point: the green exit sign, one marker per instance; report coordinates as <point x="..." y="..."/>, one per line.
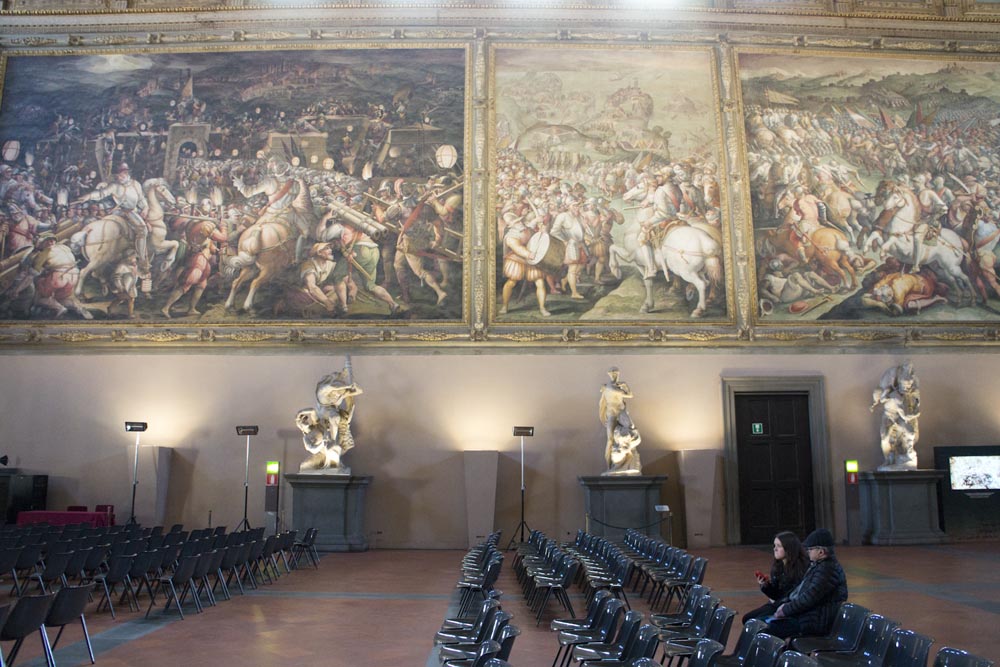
<point x="757" y="428"/>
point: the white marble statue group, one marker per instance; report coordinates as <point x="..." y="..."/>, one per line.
<point x="898" y="393"/>
<point x="326" y="427"/>
<point x="621" y="451"/>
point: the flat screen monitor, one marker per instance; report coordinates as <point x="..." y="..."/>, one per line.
<point x="974" y="473"/>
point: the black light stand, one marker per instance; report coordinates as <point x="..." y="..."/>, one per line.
<point x="247" y="431"/>
<point x="137" y="428"/>
<point x="522" y="432"/>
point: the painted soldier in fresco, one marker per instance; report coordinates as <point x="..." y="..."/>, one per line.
<point x="130" y="202"/>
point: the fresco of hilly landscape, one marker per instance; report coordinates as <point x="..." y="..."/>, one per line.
<point x="312" y="186"/>
<point x="607" y="186"/>
<point x="874" y="185"/>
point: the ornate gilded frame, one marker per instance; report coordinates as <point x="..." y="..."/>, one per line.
<point x="921" y="28"/>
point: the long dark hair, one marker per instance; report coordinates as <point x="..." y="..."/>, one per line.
<point x="796" y="560"/>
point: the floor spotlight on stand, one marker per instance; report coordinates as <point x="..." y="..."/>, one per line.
<point x="246" y="430"/>
<point x="521" y="432"/>
<point x="137" y="428"/>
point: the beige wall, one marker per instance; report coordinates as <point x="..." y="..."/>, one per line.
<point x="63" y="415"/>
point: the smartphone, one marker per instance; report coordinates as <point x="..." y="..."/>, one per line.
<point x="760" y="575"/>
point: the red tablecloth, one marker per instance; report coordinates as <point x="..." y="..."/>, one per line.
<point x="64" y="518"/>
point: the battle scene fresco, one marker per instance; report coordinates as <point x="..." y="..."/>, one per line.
<point x="607" y="186"/>
<point x="305" y="186"/>
<point x="873" y="183"/>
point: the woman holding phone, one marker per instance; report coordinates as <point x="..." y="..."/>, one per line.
<point x="789" y="566"/>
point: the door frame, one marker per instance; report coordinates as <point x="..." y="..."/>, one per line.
<point x="813" y="386"/>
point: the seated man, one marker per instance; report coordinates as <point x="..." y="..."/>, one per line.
<point x="811" y="607"/>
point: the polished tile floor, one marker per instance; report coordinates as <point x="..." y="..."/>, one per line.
<point x="383" y="607"/>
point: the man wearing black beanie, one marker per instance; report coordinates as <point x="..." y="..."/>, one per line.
<point x="811" y="607"/>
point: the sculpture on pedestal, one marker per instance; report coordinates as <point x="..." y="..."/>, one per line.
<point x="326" y="428"/>
<point x="620" y="450"/>
<point x="898" y="393"/>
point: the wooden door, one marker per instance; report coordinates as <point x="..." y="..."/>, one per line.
<point x="775" y="466"/>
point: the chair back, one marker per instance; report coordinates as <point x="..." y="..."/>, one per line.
<point x="8" y="558"/>
<point x="875" y="639"/>
<point x="907" y="649"/>
<point x="55" y="565"/>
<point x="486" y="651"/>
<point x="185" y="569"/>
<point x="140" y="565"/>
<point x="105" y="509"/>
<point x="118" y="568"/>
<point x="705" y="652"/>
<point x="78" y="561"/>
<point x="845" y="634"/>
<point x="764" y="650"/>
<point x="646" y="642"/>
<point x="68" y="605"/>
<point x="953" y="657"/>
<point x="721" y="624"/>
<point x="506" y="640"/>
<point x="750" y="630"/>
<point x="95" y="558"/>
<point x="608" y="621"/>
<point x="28" y="558"/>
<point x="796" y="659"/>
<point x="697" y="573"/>
<point x="27" y="616"/>
<point x="627" y="631"/>
<point x="703" y="615"/>
<point x="497" y="624"/>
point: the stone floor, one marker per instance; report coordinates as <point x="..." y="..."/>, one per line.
<point x="383" y="607"/>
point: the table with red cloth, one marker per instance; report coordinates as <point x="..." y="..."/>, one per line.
<point x="64" y="518"/>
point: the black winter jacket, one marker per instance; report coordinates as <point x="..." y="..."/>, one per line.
<point x="781" y="583"/>
<point x="814" y="602"/>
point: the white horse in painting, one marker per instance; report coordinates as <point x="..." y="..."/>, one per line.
<point x="690" y="253"/>
<point x="899" y="217"/>
<point x="104" y="241"/>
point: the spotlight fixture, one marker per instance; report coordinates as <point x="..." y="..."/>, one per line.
<point x="135" y="427"/>
<point x="247" y="430"/>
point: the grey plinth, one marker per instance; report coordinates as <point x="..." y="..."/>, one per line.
<point x="614" y="504"/>
<point x="900" y="507"/>
<point x="335" y="505"/>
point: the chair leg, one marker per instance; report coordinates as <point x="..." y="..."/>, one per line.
<point x="13" y="651"/>
<point x="86" y="636"/>
<point x="107" y="598"/>
<point x="49" y="658"/>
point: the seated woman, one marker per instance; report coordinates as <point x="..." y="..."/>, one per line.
<point x="789" y="566"/>
<point x="810" y="609"/>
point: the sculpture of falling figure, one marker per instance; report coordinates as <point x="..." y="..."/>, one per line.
<point x="898" y="393"/>
<point x="621" y="449"/>
<point x="326" y="428"/>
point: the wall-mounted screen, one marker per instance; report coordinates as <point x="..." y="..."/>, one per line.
<point x="974" y="473"/>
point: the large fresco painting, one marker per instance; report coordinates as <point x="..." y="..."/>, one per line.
<point x="607" y="186"/>
<point x="873" y="183"/>
<point x="227" y="187"/>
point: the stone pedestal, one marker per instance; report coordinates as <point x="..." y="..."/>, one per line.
<point x="615" y="504"/>
<point x="335" y="505"/>
<point x="900" y="507"/>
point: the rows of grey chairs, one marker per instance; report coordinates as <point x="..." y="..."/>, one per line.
<point x="668" y="572"/>
<point x="862" y="637"/>
<point x="56" y="572"/>
<point x="545" y="569"/>
<point x="481" y="635"/>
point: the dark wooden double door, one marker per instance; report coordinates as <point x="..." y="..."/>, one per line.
<point x="775" y="466"/>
